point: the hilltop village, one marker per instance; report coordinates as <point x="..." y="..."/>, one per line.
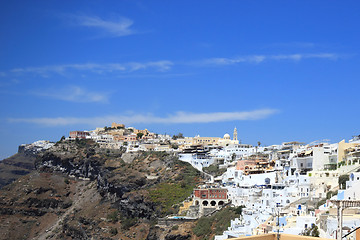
<point x="293" y="187"/>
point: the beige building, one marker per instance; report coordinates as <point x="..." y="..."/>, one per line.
<point x="206" y="140"/>
<point x="322" y="182"/>
<point x="117" y="125"/>
<point x="343" y="150"/>
<point x="146" y="133"/>
<point x="352" y="155"/>
<point x="214" y="141"/>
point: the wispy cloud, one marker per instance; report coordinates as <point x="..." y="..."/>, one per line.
<point x="162" y="66"/>
<point x="7" y="83"/>
<point x="73" y="94"/>
<point x="293" y="45"/>
<point x="262" y="58"/>
<point x="177" y="118"/>
<point x="118" y="28"/>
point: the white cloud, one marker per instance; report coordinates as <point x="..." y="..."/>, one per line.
<point x="177" y="118"/>
<point x="73" y="94"/>
<point x="262" y="58"/>
<point x="118" y="28"/>
<point x="162" y="65"/>
<point x="229" y="61"/>
<point x="297" y="57"/>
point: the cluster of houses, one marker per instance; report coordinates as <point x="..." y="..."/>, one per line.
<point x="134" y="140"/>
<point x="285" y="188"/>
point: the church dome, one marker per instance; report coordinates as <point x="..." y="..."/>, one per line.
<point x="226" y="136"/>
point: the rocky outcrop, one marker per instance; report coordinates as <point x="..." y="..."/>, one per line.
<point x="129" y="205"/>
<point x="22" y="163"/>
<point x="177" y="237"/>
<point x="86" y="168"/>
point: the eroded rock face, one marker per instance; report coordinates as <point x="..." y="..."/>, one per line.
<point x="134" y="205"/>
<point x="154" y="233"/>
<point x="85" y="168"/>
<point x="18" y="165"/>
<point x="123" y="187"/>
<point x="129" y="205"/>
<point x="177" y="237"/>
<point x="21" y="211"/>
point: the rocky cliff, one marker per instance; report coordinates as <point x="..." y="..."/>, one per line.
<point x="76" y="190"/>
<point x="21" y="163"/>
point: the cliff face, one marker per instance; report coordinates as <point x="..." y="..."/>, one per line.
<point x="80" y="191"/>
<point x="20" y="164"/>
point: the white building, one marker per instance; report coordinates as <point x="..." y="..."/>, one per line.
<point x="196" y="160"/>
<point x="352" y="188"/>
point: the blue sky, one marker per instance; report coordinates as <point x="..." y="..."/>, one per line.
<point x="277" y="70"/>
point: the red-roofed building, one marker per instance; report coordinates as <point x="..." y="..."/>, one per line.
<point x="78" y="134"/>
<point x="210" y="197"/>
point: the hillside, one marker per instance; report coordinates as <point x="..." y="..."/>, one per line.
<point x="81" y="191"/>
<point x="18" y="165"/>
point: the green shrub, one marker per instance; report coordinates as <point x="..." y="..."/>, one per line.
<point x="168" y="194"/>
<point x="128" y="222"/>
<point x="330" y="194"/>
<point x="113" y="231"/>
<point x="342" y="181"/>
<point x="238" y="210"/>
<point x="214" y="170"/>
<point x="321" y="202"/>
<point x="203" y="227"/>
<point x="216" y="224"/>
<point x="313" y="231"/>
<point x="113" y="216"/>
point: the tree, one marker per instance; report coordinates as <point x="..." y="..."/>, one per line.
<point x="179" y="135"/>
<point x="313" y="231"/>
<point x="342" y="181"/>
<point x="139" y="135"/>
<point x="174" y="146"/>
<point x="62" y="138"/>
<point x="239" y="209"/>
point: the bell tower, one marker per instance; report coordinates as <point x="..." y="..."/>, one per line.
<point x="235" y="134"/>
